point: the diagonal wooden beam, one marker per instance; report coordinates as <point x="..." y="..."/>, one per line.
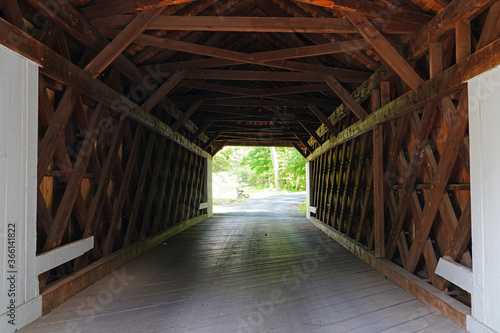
<point x="186" y="115"/>
<point x="416" y="160"/>
<point x="139" y="193"/>
<point x="346" y="97"/>
<point x="210" y="140"/>
<point x="71" y="21"/>
<point x="311" y="51"/>
<point x="238" y="57"/>
<point x="13" y="13"/>
<point x="443" y="84"/>
<point x="163" y="91"/>
<point x="304" y="142"/>
<point x="459" y="241"/>
<point x="122" y="193"/>
<point x="324" y="120"/>
<point x="72" y="191"/>
<point x="385" y="50"/>
<point x="47" y="146"/>
<point x="296" y="146"/>
<point x="491" y="29"/>
<point x="121" y="42"/>
<point x="201" y="129"/>
<point x="440" y="180"/>
<point x="60" y="69"/>
<point x="311" y="133"/>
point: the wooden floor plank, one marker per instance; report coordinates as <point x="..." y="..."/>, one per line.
<point x="244" y="273"/>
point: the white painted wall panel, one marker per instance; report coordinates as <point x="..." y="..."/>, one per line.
<point x="484" y="117"/>
<point x="18" y="160"/>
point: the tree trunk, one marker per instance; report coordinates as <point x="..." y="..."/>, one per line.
<point x="274" y="158"/>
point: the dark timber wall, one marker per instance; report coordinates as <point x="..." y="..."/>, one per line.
<point x="403" y="189"/>
<point x="105" y="176"/>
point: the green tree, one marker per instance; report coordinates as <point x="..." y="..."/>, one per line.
<point x="253" y="165"/>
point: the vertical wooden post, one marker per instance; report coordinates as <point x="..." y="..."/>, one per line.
<point x="463" y="40"/>
<point x="435" y="59"/>
<point x="308" y="188"/>
<point x="378" y="179"/>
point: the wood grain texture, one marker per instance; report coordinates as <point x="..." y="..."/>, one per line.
<point x="261" y="273"/>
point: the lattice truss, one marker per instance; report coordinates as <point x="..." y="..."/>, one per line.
<point x="134" y="95"/>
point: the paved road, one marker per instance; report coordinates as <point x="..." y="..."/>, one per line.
<point x="280" y="205"/>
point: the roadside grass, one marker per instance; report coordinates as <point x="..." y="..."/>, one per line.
<point x="303" y="208"/>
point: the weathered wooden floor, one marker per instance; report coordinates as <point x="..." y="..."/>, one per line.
<point x="245" y="274"/>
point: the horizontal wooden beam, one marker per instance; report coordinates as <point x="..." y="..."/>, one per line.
<point x="442" y="84"/>
<point x="455" y="273"/>
<point x="344" y="75"/>
<point x="55" y="66"/>
<point x="311" y="51"/>
<point x="234" y="24"/>
<point x="256" y="143"/>
<point x="231" y="75"/>
<point x="246" y="102"/>
<point x="60" y="255"/>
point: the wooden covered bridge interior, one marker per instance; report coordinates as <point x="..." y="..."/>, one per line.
<point x="132" y="98"/>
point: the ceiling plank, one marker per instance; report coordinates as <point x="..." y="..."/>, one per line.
<point x="346" y="98"/>
<point x="385" y="50"/>
<point x="121" y="42"/>
<point x="372" y="9"/>
<point x="126" y="6"/>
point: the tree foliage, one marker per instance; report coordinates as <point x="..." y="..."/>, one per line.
<point x="253" y="166"/>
